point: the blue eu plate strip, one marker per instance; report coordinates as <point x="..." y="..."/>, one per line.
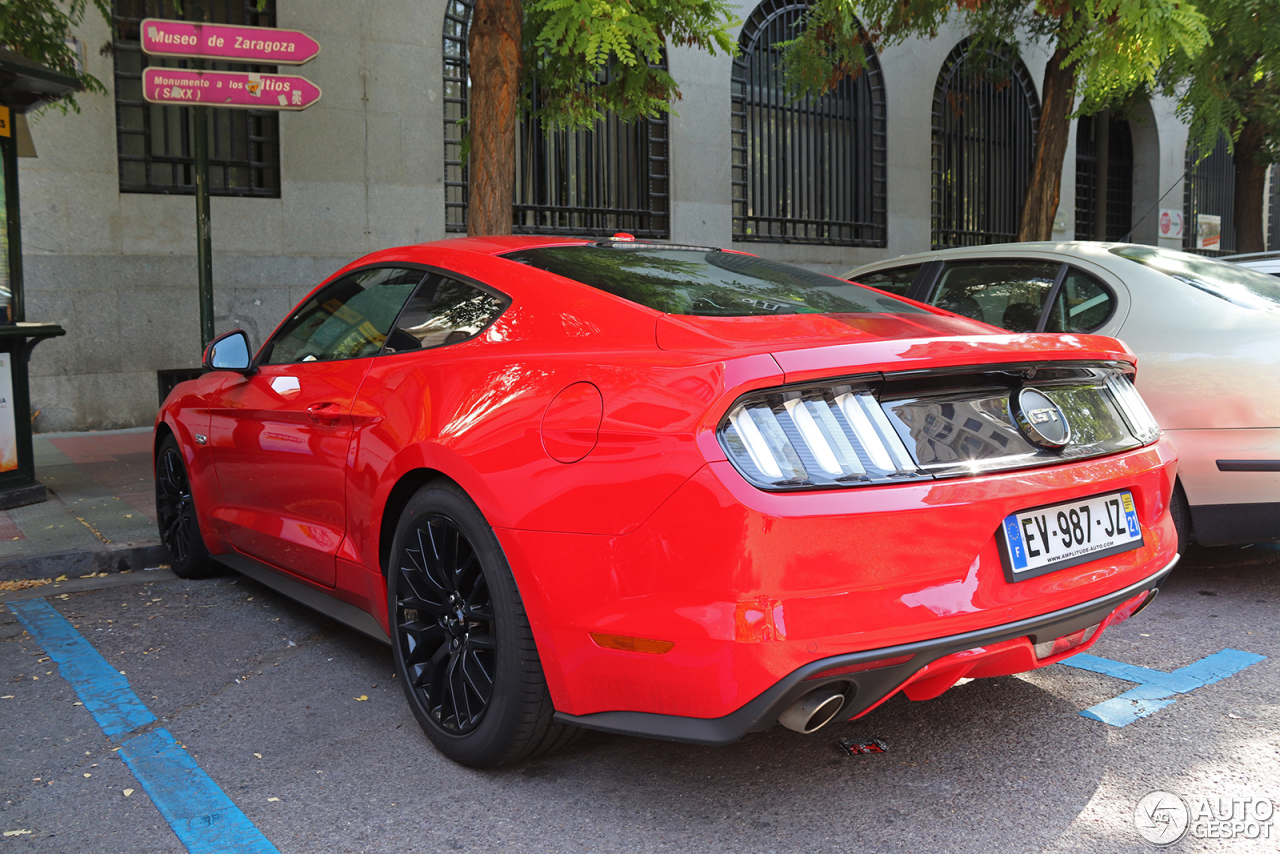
<point x="204" y="819"/>
<point x="1017" y="550"/>
<point x="1156" y="689"/>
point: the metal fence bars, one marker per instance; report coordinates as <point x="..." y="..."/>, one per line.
<point x="804" y="170"/>
<point x="1209" y="192"/>
<point x="613" y="177"/>
<point x="156" y="149"/>
<point x="1104" y="157"/>
<point x="985" y="119"/>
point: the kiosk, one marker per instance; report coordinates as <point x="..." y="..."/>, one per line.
<point x="24" y="85"/>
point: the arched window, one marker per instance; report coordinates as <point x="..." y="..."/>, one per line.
<point x="985" y="119"/>
<point x="1104" y="158"/>
<point x="591" y="182"/>
<point x="809" y="170"/>
<point x="1209" y="202"/>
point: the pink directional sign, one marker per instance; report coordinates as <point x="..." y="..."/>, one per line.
<point x="242" y="89"/>
<point x="222" y="41"/>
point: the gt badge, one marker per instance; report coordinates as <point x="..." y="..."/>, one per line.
<point x="1041" y="420"/>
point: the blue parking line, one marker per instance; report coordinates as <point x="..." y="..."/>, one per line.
<point x="1156" y="689"/>
<point x="204" y="819"/>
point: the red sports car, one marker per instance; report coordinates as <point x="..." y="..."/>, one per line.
<point x="666" y="490"/>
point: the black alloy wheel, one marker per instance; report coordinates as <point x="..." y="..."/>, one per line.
<point x="446" y="628"/>
<point x="461" y="639"/>
<point x="176" y="515"/>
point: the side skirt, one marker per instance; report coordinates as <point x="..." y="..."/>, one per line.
<point x="335" y="609"/>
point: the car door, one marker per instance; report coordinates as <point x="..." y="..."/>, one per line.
<point x="279" y="436"/>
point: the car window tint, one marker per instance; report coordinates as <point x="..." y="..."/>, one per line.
<point x="895" y="281"/>
<point x="707" y="283"/>
<point x="1009" y="294"/>
<point x="347" y="319"/>
<point x="443" y="311"/>
<point x="1083" y="304"/>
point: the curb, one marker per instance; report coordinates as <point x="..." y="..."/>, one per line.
<point x="112" y="558"/>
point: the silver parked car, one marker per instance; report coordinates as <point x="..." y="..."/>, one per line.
<point x="1207" y="335"/>
<point x="1263" y="262"/>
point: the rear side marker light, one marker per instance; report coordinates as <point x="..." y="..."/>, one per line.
<point x="859" y="668"/>
<point x="1141" y="422"/>
<point x="629" y="644"/>
<point x="1049" y="649"/>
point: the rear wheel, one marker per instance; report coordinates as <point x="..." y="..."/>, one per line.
<point x="460" y="637"/>
<point x="1181" y="514"/>
<point x="176" y="516"/>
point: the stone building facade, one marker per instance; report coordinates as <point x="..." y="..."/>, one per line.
<point x="369" y="167"/>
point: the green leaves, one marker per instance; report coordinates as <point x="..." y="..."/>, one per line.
<point x="1235" y="81"/>
<point x="39" y="29"/>
<point x="588" y="57"/>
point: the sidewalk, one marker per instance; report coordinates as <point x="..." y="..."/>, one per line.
<point x="100" y="516"/>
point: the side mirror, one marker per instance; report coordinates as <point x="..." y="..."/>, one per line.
<point x="229" y="352"/>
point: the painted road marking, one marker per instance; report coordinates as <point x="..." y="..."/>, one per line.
<point x="204" y="819"/>
<point x="1156" y="689"/>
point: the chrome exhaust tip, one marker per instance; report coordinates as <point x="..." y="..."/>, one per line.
<point x="814" y="710"/>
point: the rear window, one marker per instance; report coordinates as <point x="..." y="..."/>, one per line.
<point x="1230" y="282"/>
<point x="708" y="283"/>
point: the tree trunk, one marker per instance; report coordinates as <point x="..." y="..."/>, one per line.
<point x="493" y="47"/>
<point x="1051" y="147"/>
<point x="1251" y="176"/>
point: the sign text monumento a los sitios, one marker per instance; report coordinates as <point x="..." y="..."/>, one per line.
<point x="161" y="37"/>
<point x="243" y="89"/>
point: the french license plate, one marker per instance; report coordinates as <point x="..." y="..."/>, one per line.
<point x="1050" y="538"/>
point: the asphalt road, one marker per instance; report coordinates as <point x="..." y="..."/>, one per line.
<point x="301" y="724"/>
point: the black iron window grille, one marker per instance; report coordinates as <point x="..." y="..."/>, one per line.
<point x="156" y="150"/>
<point x="985" y="119"/>
<point x="1104" y="140"/>
<point x="611" y="178"/>
<point x="1273" y="211"/>
<point x="1210" y="192"/>
<point x="808" y="170"/>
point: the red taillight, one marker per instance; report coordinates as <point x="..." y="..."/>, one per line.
<point x="859" y="668"/>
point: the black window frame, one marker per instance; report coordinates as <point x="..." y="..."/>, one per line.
<point x="1117" y="202"/>
<point x="593" y="183"/>
<point x="791" y="182"/>
<point x="255" y="134"/>
<point x="976" y="205"/>
<point x="1210" y="187"/>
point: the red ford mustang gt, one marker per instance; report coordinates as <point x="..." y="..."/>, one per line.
<point x="666" y="490"/>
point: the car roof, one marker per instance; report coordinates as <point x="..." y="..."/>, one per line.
<point x="1075" y="248"/>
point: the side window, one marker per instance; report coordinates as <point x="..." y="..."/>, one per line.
<point x="1083" y="304"/>
<point x="347" y="319"/>
<point x="443" y="311"/>
<point x="1009" y="294"/>
<point x="895" y="281"/>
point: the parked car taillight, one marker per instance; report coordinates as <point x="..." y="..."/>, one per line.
<point x="1141" y="422"/>
<point x="827" y="435"/>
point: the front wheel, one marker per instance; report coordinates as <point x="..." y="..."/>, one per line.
<point x="176" y="515"/>
<point x="460" y="637"/>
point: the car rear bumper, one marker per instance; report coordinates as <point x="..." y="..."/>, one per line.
<point x="745" y="588"/>
<point x="942" y="661"/>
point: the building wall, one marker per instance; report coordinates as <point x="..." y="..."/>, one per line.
<point x="363" y="170"/>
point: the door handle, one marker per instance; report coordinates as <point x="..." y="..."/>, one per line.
<point x="324" y="413"/>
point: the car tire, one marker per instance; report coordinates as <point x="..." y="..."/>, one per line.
<point x="176" y="516"/>
<point x="462" y="644"/>
<point x="1181" y="514"/>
